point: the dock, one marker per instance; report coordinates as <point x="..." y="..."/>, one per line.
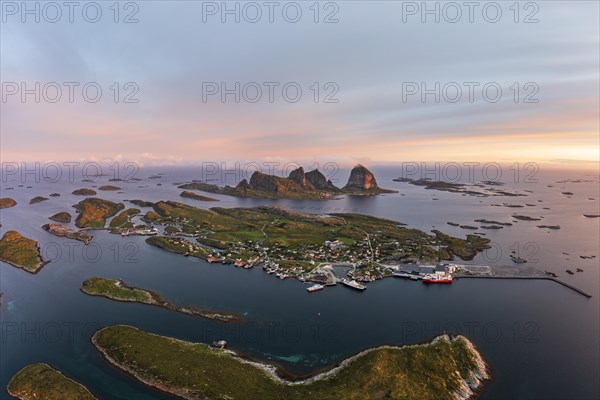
<point x="510" y="272"/>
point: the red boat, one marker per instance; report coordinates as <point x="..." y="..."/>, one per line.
<point x="437" y="279"/>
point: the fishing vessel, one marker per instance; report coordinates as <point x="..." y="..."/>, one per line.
<point x="314" y="288"/>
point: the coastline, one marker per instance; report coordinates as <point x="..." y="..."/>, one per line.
<point x="38" y="268"/>
<point x="158" y="301"/>
<point x="63" y="376"/>
<point x="469" y="387"/>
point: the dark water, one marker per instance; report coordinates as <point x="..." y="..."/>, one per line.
<point x="540" y="338"/>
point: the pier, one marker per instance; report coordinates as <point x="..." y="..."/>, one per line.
<point x="509" y="272"/>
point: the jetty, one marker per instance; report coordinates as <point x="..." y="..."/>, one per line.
<point x="511" y="272"/>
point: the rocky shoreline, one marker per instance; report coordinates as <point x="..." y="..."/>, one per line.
<point x="155" y="299"/>
<point x="43" y="380"/>
<point x="469" y="387"/>
<point x="21" y="252"/>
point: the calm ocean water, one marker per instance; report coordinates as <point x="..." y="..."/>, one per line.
<point x="540" y="338"/>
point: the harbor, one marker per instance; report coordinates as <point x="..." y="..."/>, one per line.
<point x="439" y="273"/>
<point x="458" y="271"/>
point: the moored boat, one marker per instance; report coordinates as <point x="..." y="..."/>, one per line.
<point x="353" y="284"/>
<point x="437" y="279"/>
<point x="314" y="288"/>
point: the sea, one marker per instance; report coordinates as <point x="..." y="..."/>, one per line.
<point x="540" y="339"/>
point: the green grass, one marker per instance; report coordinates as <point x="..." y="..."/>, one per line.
<point x="276" y="227"/>
<point x="21" y="252"/>
<point x="116" y="290"/>
<point x="194" y="370"/>
<point x="93" y="212"/>
<point x="123" y="220"/>
<point x="465" y="249"/>
<point x="40" y="381"/>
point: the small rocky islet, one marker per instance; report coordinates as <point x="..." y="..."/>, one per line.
<point x="42" y="382"/>
<point x="7" y="202"/>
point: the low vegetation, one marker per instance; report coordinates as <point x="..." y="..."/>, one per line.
<point x="84" y="192"/>
<point x="442" y="369"/>
<point x="109" y="188"/>
<point x="42" y="382"/>
<point x="93" y="212"/>
<point x="123" y="220"/>
<point x="194" y="196"/>
<point x="116" y="289"/>
<point x="21" y="252"/>
<point x="64" y="217"/>
<point x="298" y="242"/>
<point x="37" y="199"/>
<point x="142" y="203"/>
<point x="7" y="202"/>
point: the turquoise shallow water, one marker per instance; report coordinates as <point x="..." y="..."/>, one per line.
<point x="540" y="339"/>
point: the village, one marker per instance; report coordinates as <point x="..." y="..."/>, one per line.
<point x="328" y="264"/>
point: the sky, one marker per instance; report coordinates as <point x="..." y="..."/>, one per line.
<point x="388" y="77"/>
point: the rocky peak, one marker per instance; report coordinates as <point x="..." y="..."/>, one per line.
<point x="318" y="180"/>
<point x="298" y="176"/>
<point x="361" y="178"/>
<point x="243" y="185"/>
<point x="265" y="182"/>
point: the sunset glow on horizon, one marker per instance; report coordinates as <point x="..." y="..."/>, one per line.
<point x="548" y="108"/>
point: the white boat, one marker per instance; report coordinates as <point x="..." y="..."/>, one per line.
<point x="314" y="288"/>
<point x="353" y="284"/>
<point x="437" y="279"/>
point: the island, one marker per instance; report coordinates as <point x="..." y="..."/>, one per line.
<point x="292" y="244"/>
<point x="84" y="192"/>
<point x="54" y="194"/>
<point x="312" y="185"/>
<point x="141" y="203"/>
<point x="194" y="196"/>
<point x="446" y="368"/>
<point x="68" y="232"/>
<point x="465" y="189"/>
<point x="492" y="222"/>
<point x="7" y="202"/>
<point x="21" y="252"/>
<point x="553" y="227"/>
<point x="116" y="289"/>
<point x="41" y="381"/>
<point x="93" y="212"/>
<point x="109" y="188"/>
<point x="37" y="199"/>
<point x="122" y="222"/>
<point x="526" y="218"/>
<point x="63" y="217"/>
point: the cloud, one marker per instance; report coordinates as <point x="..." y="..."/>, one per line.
<point x="369" y="54"/>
